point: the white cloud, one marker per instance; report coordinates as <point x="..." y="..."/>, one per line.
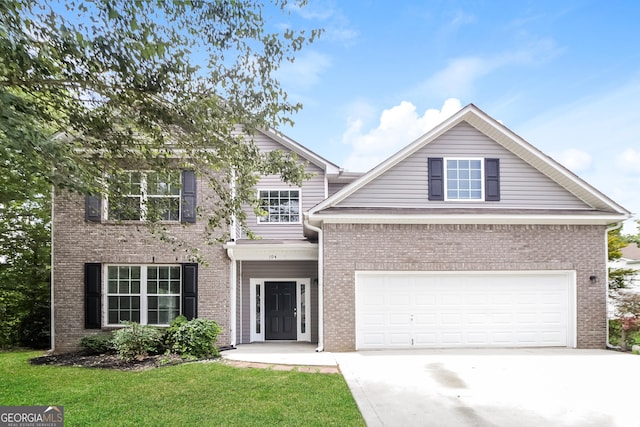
<point x="574" y="159"/>
<point x="304" y="72"/>
<point x="629" y="160"/>
<point x="461" y="18"/>
<point x="606" y="125"/>
<point x="336" y="25"/>
<point x="397" y="127"/>
<point x="461" y="74"/>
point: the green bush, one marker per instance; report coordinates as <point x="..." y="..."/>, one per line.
<point x="97" y="344"/>
<point x="615" y="334"/>
<point x="136" y="341"/>
<point x="193" y="339"/>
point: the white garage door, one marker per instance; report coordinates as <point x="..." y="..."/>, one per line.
<point x="475" y="309"/>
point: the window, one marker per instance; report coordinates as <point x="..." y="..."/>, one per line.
<point x="149" y="295"/>
<point x="464" y="179"/>
<point x="454" y="179"/>
<point x="145" y="195"/>
<point x="281" y="206"/>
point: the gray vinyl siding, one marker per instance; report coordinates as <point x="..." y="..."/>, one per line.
<point x="406" y="184"/>
<point x="334" y="187"/>
<point x="248" y="270"/>
<point x="312" y="193"/>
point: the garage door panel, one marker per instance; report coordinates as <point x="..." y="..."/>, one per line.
<point x="402" y="319"/>
<point x="431" y="310"/>
<point x="373" y="340"/>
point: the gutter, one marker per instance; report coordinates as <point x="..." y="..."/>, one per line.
<point x="606" y="288"/>
<point x="320" y="282"/>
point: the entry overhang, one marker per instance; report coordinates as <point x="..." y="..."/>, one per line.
<point x="273" y="251"/>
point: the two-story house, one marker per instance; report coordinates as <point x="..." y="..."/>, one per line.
<point x="468" y="237"/>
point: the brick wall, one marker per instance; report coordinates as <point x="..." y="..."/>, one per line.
<point x="401" y="247"/>
<point x="77" y="242"/>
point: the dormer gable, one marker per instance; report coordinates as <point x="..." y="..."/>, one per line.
<point x="471" y="164"/>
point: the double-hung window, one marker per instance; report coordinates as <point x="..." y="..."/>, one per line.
<point x="149" y="295"/>
<point x="464" y="179"/>
<point x="280" y="206"/>
<point x="145" y="195"/>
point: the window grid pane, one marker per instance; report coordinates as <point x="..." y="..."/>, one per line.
<point x="161" y="294"/>
<point x="123" y="290"/>
<point x="281" y="206"/>
<point x="138" y="196"/>
<point x="464" y="179"/>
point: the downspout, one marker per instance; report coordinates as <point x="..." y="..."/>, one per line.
<point x="320" y="283"/>
<point x="606" y="278"/>
<point x="233" y="280"/>
<point x="240" y="281"/>
<point x="233" y="268"/>
<point x="52" y="322"/>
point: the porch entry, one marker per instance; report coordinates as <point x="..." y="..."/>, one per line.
<point x="280" y="310"/>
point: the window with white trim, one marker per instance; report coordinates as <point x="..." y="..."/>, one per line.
<point x="137" y="196"/>
<point x="149" y="295"/>
<point x="464" y="179"/>
<point x="280" y="206"/>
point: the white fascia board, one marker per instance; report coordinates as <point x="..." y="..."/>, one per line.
<point x="274" y="252"/>
<point x="298" y="148"/>
<point x="466" y="219"/>
<point x="384" y="166"/>
<point x="539" y="160"/>
<point x="502" y="135"/>
<point x="395" y="159"/>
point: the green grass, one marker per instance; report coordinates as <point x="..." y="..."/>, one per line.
<point x="194" y="394"/>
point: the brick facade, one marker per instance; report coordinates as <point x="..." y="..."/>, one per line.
<point x="76" y="242"/>
<point x="401" y="247"/>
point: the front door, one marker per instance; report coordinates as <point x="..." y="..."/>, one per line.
<point x="280" y="311"/>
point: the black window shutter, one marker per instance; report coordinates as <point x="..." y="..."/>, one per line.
<point x="92" y="296"/>
<point x="188" y="213"/>
<point x="436" y="178"/>
<point x="190" y="291"/>
<point x="492" y="180"/>
<point x="93" y="208"/>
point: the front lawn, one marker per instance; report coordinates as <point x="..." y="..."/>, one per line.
<point x="193" y="394"/>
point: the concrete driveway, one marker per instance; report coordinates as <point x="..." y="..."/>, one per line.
<point x="532" y="387"/>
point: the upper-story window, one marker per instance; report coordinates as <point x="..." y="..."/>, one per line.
<point x="281" y="206"/>
<point x="464" y="179"/>
<point x="145" y="195"/>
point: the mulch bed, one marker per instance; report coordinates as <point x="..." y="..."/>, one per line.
<point x="109" y="361"/>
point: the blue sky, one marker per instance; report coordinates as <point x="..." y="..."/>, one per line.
<point x="563" y="75"/>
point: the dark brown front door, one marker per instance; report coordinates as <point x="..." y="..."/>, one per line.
<point x="280" y="310"/>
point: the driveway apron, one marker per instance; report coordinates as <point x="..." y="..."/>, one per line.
<point x="528" y="387"/>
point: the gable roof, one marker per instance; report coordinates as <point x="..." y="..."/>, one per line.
<point x="510" y="141"/>
<point x="321" y="162"/>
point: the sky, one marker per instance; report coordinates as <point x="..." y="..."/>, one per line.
<point x="564" y="75"/>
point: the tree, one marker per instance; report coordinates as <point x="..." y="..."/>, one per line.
<point x="627" y="304"/>
<point x="91" y="88"/>
<point x="86" y="85"/>
<point x="25" y="245"/>
<point x="634" y="238"/>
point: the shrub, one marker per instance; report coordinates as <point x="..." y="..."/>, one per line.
<point x="136" y="341"/>
<point x="194" y="339"/>
<point x="97" y="344"/>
